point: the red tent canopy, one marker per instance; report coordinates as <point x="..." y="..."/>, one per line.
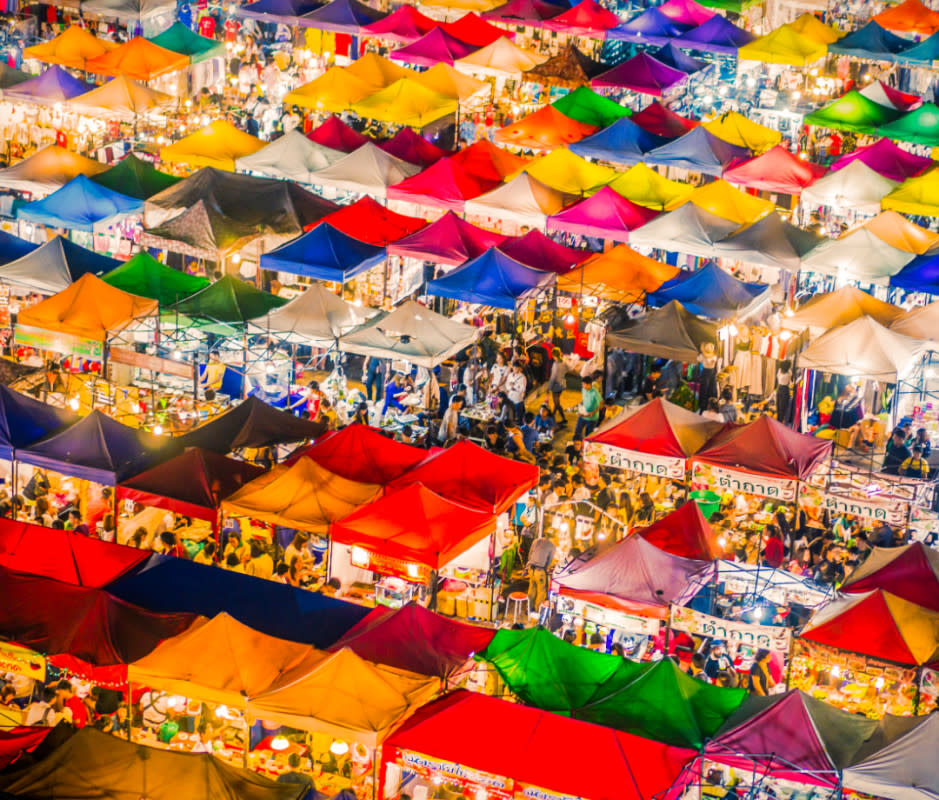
<point x="777" y="170"/>
<point x="537" y="748"/>
<point x="685" y="532"/>
<point x="361" y="453"/>
<point x="449" y="240"/>
<point x="369" y="221"/>
<point x="193" y="483"/>
<point x="910" y="572"/>
<point x="535" y="250"/>
<point x="486" y="161"/>
<point x="404" y="24"/>
<point x="473" y="30"/>
<point x="413" y="148"/>
<point x="587" y="18"/>
<point x="415" y="524"/>
<point x="765" y="447"/>
<point x="656" y="118"/>
<point x="64" y="556"/>
<point x="16" y="741"/>
<point x="472" y="476"/>
<point x="911" y="16"/>
<point x="415" y="639"/>
<point x="444" y="185"/>
<point x="336" y="134"/>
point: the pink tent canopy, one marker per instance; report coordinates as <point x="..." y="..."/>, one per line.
<point x="686" y="12"/>
<point x="334" y="133"/>
<point x="405" y="24"/>
<point x="641" y="73"/>
<point x="449" y="240"/>
<point x="888" y="159"/>
<point x="777" y="170"/>
<point x="523" y="12"/>
<point x="444" y="185"/>
<point x="656" y="118"/>
<point x="607" y="215"/>
<point x="587" y="18"/>
<point x="435" y="47"/>
<point x="413" y="148"/>
<point x="537" y="251"/>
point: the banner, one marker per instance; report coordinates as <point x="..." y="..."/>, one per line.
<point x="880" y="509"/>
<point x="607" y="456"/>
<point x="735" y="633"/>
<point x="58" y="342"/>
<point x="722" y="479"/>
<point x="21" y="661"/>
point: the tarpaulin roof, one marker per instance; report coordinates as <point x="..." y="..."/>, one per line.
<point x="53" y="85"/>
<point x="784" y="45"/>
<point x="699" y="150"/>
<point x="24" y="421"/>
<point x="72" y="48"/>
<point x="252" y="423"/>
<point x="693" y="231"/>
<point x="404" y="24"/>
<point x="473" y="29"/>
<point x="650" y="26"/>
<point x="586" y="18"/>
<point x="492" y="279"/>
<point x="485" y="160"/>
<point x="667" y="332"/>
<point x="317" y="316"/>
<point x="716" y="35"/>
<point x="886" y="95"/>
<point x="411" y="332"/>
<point x="448" y="240"/>
<point x="433" y="47"/>
<point x="623" y="142"/>
<point x="569" y="173"/>
<point x="341" y="16"/>
<point x="369" y="221"/>
<point x="89" y="308"/>
<point x="139" y="59"/>
<point x="523" y="199"/>
<point x="54" y="266"/>
<point x="919" y="275"/>
<point x="809" y="25"/>
<point x="180" y="38"/>
<point x="535" y="250"/>
<point x="11" y="77"/>
<point x="413" y="148"/>
<point x="919" y="322"/>
<point x="48" y="169"/>
<point x="324" y="253"/>
<point x="659" y="428"/>
<point x="134" y="177"/>
<point x="89" y="623"/>
<point x="920" y="126"/>
<point x="918" y="196"/>
<point x="337" y="135"/>
<point x="122" y="98"/>
<point x="570" y="68"/>
<point x="633" y="575"/>
<point x="736" y="129"/>
<point x="216" y="145"/>
<point x="855" y="187"/>
<point x="686" y="12"/>
<point x="13" y="247"/>
<point x="673" y="56"/>
<point x="415" y="639"/>
<point x="870" y="42"/>
<point x="446" y="80"/>
<point x="920" y="54"/>
<point x="126" y="769"/>
<point x="80" y="205"/>
<point x="887" y="159"/>
<point x="777" y="170"/>
<point x="285" y="11"/>
<point x="292" y="157"/>
<point x="134" y="10"/>
<point x="722" y="199"/>
<point x="860" y="255"/>
<point x="335" y="90"/>
<point x="524" y="12"/>
<point x="194" y="483"/>
<point x="277" y="609"/>
<point x="766" y="447"/>
<point x="910" y="16"/>
<point x="376" y="71"/>
<point x="646" y="187"/>
<point x="544" y="129"/>
<point x="229" y="300"/>
<point x="16" y="741"/>
<point x="853" y="112"/>
<point x="606" y="215"/>
<point x="910" y="572"/>
<point x="620" y="274"/>
<point x="406" y="102"/>
<point x="443" y="185"/>
<point x="642" y="73"/>
<point x="684" y="532"/>
<point x="468" y="474"/>
<point x="656" y="118"/>
<point x="585" y="105"/>
<point x="203" y="230"/>
<point x="770" y="241"/>
<point x="536" y="747"/>
<point x="501" y="59"/>
<point x="362" y="453"/>
<point x="844" y="305"/>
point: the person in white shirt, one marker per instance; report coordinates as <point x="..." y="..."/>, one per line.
<point x="515" y="386"/>
<point x="450" y="423"/>
<point x="498" y="373"/>
<point x="41" y="713"/>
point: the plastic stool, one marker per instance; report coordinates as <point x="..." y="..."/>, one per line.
<point x="516" y="606"/>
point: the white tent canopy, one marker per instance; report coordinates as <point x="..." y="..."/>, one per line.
<point x="859" y="256"/>
<point x="855" y="188"/>
<point x="367" y="170"/>
<point x="524" y="200"/>
<point x="688" y="229"/>
<point x="292" y="156"/>
<point x="501" y="59"/>
<point x="317" y="317"/>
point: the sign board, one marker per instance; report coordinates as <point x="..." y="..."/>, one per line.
<point x="388" y="565"/>
<point x="58" y="342"/>
<point x="660" y="466"/>
<point x="733" y="632"/>
<point x="21" y="661"/>
<point x="430" y="767"/>
<point x="722" y="479"/>
<point x="880" y="509"/>
<point x="165" y="366"/>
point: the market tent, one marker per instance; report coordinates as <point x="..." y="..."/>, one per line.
<point x="369" y="221"/>
<point x="585" y="105"/>
<point x="134" y="177"/>
<point x="853" y="112"/>
<point x="860" y="256"/>
<point x="699" y="150"/>
<point x="834" y="309"/>
<point x="784" y="45"/>
<point x="341" y="16"/>
<point x="414" y="639"/>
<point x="686" y="12"/>
<point x="919" y="275"/>
<point x="492" y="279"/>
<point x="656" y="118"/>
<point x="449" y="240"/>
<point x="921" y="54"/>
<point x="376" y="71"/>
<point x="72" y="48"/>
<point x="411" y="332"/>
<point x="722" y="199"/>
<point x="80" y="205"/>
<point x="228" y="300"/>
<point x="336" y="135"/>
<point x="122" y="98"/>
<point x="887" y="159"/>
<point x="13" y="247"/>
<point x="910" y="16"/>
<point x="368" y="170"/>
<point x="182" y="39"/>
<point x="217" y="145"/>
<point x="362" y="453"/>
<point x="886" y="95"/>
<point x="716" y="35"/>
<point x="646" y="187"/>
<point x="535" y="250"/>
<point x="623" y="142"/>
<point x="536" y="748"/>
<point x="24" y="421"/>
<point x="415" y="524"/>
<point x="570" y="68"/>
<point x="468" y="474"/>
<point x="53" y="85"/>
<point x="856" y="187"/>
<point x="202" y="231"/>
<point x="405" y="24"/>
<point x="765" y="447"/>
<point x="252" y="423"/>
<point x="674" y="57"/>
<point x="193" y="483"/>
<point x="667" y="332"/>
<point x="443" y="185"/>
<point x="642" y="73"/>
<point x="48" y="169"/>
<point x="413" y="148"/>
<point x="690" y="230"/>
<point x="445" y="80"/>
<point x="684" y="532"/>
<point x="335" y="90"/>
<point x="568" y="173"/>
<point x="434" y="47"/>
<point x="810" y="25"/>
<point x="918" y="196"/>
<point x="282" y="11"/>
<point x="292" y="157"/>
<point x="523" y="200"/>
<point x="918" y="323"/>
<point x="523" y="12"/>
<point x="620" y="275"/>
<point x="769" y="241"/>
<point x="650" y="26"/>
<point x="139" y="59"/>
<point x="871" y="43"/>
<point x="10" y="77"/>
<point x="910" y="572"/>
<point x="473" y="29"/>
<point x="54" y="266"/>
<point x="406" y="102"/>
<point x="485" y="160"/>
<point x="544" y="129"/>
<point x="633" y="576"/>
<point x="128" y="11"/>
<point x="317" y="317"/>
<point x="920" y="126"/>
<point x="740" y="131"/>
<point x="144" y="276"/>
<point x="325" y="254"/>
<point x="605" y="215"/>
<point x="501" y="59"/>
<point x="89" y="308"/>
<point x="127" y="769"/>
<point x="863" y="347"/>
<point x="586" y="18"/>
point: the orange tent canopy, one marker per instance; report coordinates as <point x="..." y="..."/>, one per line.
<point x="899" y="232"/>
<point x="74" y="47"/>
<point x="621" y="275"/>
<point x="546" y="129"/>
<point x="911" y="16"/>
<point x="139" y="59"/>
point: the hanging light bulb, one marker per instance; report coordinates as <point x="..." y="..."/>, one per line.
<point x="74" y="403"/>
<point x="339" y="747"/>
<point x="157" y="430"/>
<point x="279" y="743"/>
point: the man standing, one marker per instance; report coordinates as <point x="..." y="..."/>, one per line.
<point x="450" y="424"/>
<point x="515" y="386"/>
<point x="540" y="556"/>
<point x="589" y="411"/>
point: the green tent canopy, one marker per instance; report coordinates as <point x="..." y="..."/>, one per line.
<point x="734" y="6"/>
<point x="144" y="276"/>
<point x="181" y="39"/>
<point x="585" y="105"/>
<point x="853" y="112"/>
<point x="920" y="126"/>
<point x="135" y="178"/>
<point x="228" y="300"/>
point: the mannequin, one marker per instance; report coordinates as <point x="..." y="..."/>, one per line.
<point x="707" y="375"/>
<point x="748" y="369"/>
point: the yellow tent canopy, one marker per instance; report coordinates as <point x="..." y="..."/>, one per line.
<point x="304" y="496"/>
<point x="220" y="660"/>
<point x="784" y="46"/>
<point x="216" y="145"/>
<point x="811" y="26"/>
<point x="899" y="232"/>
<point x="335" y="90"/>
<point x="736" y="129"/>
<point x="501" y="59"/>
<point x="377" y="72"/>
<point x="461" y="5"/>
<point x="450" y="82"/>
<point x="722" y="199"/>
<point x="918" y="196"/>
<point x="73" y="48"/>
<point x="406" y="102"/>
<point x="568" y="173"/>
<point x="121" y="97"/>
<point x="620" y="275"/>
<point x="645" y="187"/>
<point x="89" y="308"/>
<point x="139" y="59"/>
<point x="345" y="696"/>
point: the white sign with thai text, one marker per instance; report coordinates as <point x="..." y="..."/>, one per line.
<point x="609" y="456"/>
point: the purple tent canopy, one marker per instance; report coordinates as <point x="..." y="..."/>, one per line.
<point x="286" y="11"/>
<point x="650" y="26"/>
<point x="436" y="47"/>
<point x="888" y="159"/>
<point x="641" y="73"/>
<point x="342" y="16"/>
<point x="717" y="35"/>
<point x="698" y="150"/>
<point x="537" y="251"/>
<point x="674" y="57"/>
<point x="607" y="215"/>
<point x="54" y="85"/>
<point x="449" y="240"/>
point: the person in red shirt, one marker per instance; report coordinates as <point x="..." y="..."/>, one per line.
<point x="774" y="551"/>
<point x="68" y="699"/>
<point x="97" y="508"/>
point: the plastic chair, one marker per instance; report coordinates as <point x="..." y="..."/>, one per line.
<point x="516" y="607"/>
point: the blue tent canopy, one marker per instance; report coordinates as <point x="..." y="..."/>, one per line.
<point x="678" y="59"/>
<point x="649" y="27"/>
<point x="100" y="449"/>
<point x="717" y="35"/>
<point x="623" y="142"/>
<point x="54" y="85"/>
<point x="12" y="247"/>
<point x="925" y="52"/>
<point x="698" y="150"/>
<point x="920" y="275"/>
<point x="285" y="11"/>
<point x="172" y="585"/>
<point x="80" y="205"/>
<point x="342" y="16"/>
<point x="492" y="279"/>
<point x="55" y="266"/>
<point x="710" y="292"/>
<point x="24" y="421"/>
<point x="870" y="42"/>
<point x="324" y="253"/>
